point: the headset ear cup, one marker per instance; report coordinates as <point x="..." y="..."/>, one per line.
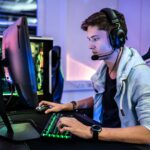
<point x="117" y="38"/>
<point x="112" y="38"/>
<point x="121" y="37"/>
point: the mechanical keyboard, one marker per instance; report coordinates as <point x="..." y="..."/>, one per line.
<point x="51" y="130"/>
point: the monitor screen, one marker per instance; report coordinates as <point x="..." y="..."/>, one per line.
<point x="41" y="47"/>
<point x="18" y="62"/>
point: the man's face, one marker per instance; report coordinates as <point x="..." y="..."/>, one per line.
<point x="98" y="41"/>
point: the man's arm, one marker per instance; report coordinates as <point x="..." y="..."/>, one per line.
<point x="136" y="134"/>
<point x="56" y="107"/>
<point x="83" y="103"/>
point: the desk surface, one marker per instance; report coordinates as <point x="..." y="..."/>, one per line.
<point x="50" y="144"/>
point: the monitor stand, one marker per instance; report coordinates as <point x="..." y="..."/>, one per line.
<point x="20" y="131"/>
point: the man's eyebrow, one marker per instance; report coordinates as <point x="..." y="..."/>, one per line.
<point x="93" y="36"/>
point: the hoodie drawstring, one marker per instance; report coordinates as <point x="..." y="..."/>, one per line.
<point x="121" y="98"/>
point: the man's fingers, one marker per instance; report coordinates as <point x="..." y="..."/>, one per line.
<point x="43" y="103"/>
<point x="65" y="128"/>
<point x="46" y="103"/>
<point x="49" y="111"/>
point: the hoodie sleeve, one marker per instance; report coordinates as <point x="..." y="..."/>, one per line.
<point x="141" y="95"/>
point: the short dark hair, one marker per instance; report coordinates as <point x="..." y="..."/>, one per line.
<point x="100" y="20"/>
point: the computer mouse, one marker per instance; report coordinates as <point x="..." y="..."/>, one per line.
<point x="42" y="108"/>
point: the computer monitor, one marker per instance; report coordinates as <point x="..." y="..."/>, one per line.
<point x="40" y="47"/>
<point x="19" y="69"/>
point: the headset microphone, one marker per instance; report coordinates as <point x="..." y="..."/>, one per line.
<point x="95" y="57"/>
<point x="101" y="57"/>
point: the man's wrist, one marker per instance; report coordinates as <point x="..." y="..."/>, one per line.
<point x="74" y="105"/>
<point x="67" y="107"/>
<point x="96" y="129"/>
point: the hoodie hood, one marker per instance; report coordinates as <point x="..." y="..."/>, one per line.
<point x="127" y="63"/>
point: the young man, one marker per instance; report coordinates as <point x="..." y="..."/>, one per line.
<point x="122" y="85"/>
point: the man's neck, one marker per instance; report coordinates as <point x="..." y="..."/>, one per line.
<point x="113" y="63"/>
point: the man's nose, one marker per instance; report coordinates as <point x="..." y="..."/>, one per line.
<point x="91" y="46"/>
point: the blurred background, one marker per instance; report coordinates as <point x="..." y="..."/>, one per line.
<point x="61" y="20"/>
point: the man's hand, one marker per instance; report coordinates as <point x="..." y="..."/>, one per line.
<point x="54" y="107"/>
<point x="75" y="127"/>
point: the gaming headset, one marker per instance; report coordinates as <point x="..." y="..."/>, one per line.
<point x="116" y="35"/>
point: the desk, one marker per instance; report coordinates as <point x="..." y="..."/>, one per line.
<point x="83" y="145"/>
<point x="53" y="144"/>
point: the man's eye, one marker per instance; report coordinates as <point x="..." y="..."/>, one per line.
<point x="95" y="39"/>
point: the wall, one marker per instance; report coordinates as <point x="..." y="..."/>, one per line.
<point x="136" y="13"/>
<point x="61" y="19"/>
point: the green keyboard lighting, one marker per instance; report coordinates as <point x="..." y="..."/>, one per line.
<point x="51" y="130"/>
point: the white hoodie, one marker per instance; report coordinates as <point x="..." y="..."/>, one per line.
<point x="133" y="90"/>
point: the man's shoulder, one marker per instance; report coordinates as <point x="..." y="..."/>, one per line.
<point x="141" y="72"/>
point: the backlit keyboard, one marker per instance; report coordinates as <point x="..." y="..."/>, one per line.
<point x="51" y="129"/>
